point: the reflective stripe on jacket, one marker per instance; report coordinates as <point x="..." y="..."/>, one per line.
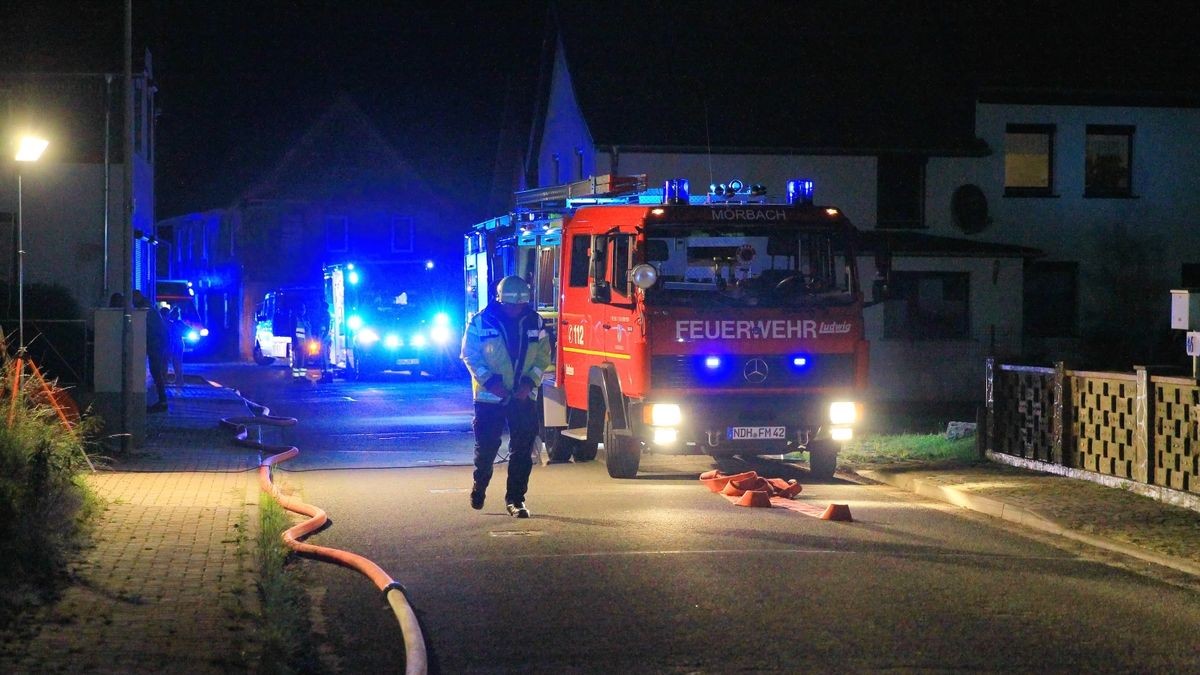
<point x="485" y="351"/>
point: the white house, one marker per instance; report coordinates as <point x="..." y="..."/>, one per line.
<point x="1049" y="229"/>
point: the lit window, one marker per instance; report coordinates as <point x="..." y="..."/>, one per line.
<point x="1107" y="171"/>
<point x="1029" y="160"/>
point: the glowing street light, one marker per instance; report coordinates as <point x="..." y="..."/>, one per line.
<point x="29" y="149"/>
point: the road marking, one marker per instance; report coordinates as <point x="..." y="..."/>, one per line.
<point x="442" y="491"/>
<point x="516" y="533"/>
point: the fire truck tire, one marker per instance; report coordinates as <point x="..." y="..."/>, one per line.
<point x="558" y="447"/>
<point x="260" y="358"/>
<point x="822" y="459"/>
<point x="622" y="454"/>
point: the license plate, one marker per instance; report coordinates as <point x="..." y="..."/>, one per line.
<point x="756" y="433"/>
<point x="407" y="362"/>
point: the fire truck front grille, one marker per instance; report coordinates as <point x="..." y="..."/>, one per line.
<point x="770" y="371"/>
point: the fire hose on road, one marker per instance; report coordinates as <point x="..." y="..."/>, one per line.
<point x="416" y="659"/>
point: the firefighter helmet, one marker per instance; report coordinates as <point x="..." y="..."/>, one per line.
<point x="513" y="290"/>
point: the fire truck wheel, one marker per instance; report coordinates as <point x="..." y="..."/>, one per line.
<point x="558" y="447"/>
<point x="622" y="454"/>
<point x="822" y="459"/>
<point x="260" y="358"/>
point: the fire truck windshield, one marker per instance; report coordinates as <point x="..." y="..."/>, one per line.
<point x="749" y="266"/>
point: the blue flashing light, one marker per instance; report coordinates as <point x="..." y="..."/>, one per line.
<point x="799" y="361"/>
<point x="392" y="341"/>
<point x="428" y="264"/>
<point x="352" y="278"/>
<point x="193" y="336"/>
<point x="676" y="191"/>
<point x="800" y="191"/>
<point x="441" y="319"/>
<point x="354" y="322"/>
<point x="712" y="362"/>
<point x="203" y="332"/>
<point x="349" y="266"/>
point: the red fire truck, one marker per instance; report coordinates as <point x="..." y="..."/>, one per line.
<point x="719" y="324"/>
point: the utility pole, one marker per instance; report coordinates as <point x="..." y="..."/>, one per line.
<point x="127" y="369"/>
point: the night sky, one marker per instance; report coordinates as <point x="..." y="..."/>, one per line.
<point x="240" y="81"/>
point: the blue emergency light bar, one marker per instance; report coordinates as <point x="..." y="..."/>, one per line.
<point x="676" y="191"/>
<point x="800" y="192"/>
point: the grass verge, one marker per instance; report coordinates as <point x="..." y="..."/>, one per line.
<point x="900" y="450"/>
<point x="287" y="645"/>
<point x="905" y="449"/>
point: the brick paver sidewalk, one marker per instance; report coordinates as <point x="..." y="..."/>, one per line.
<point x="168" y="584"/>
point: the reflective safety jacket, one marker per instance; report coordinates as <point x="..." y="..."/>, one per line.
<point x="485" y="351"/>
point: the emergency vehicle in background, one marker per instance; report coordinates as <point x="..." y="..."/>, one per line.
<point x="275" y="329"/>
<point x="719" y="324"/>
<point x="180" y="293"/>
<point x="390" y="316"/>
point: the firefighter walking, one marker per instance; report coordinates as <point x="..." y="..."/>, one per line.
<point x="506" y="348"/>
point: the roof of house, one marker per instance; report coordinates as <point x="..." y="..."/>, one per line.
<point x="341" y="156"/>
<point x="699" y="76"/>
<point x="843" y="78"/>
<point x="919" y="244"/>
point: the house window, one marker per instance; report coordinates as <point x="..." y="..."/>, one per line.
<point x="402" y="234"/>
<point x="901" y="185"/>
<point x="1108" y="166"/>
<point x="337" y="233"/>
<point x="1029" y="160"/>
<point x="928" y="306"/>
<point x="581" y="249"/>
<point x="1051" y="296"/>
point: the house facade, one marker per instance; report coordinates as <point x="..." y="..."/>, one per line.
<point x="1051" y="230"/>
<point x="340" y="194"/>
<point x="72" y="198"/>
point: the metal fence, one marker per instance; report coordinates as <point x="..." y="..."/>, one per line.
<point x="1141" y="426"/>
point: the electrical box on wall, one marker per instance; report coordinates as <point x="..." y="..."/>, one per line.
<point x="1185" y="309"/>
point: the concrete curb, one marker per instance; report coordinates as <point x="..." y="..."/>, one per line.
<point x="1024" y="517"/>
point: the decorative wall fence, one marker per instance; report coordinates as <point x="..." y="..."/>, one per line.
<point x="1138" y="426"/>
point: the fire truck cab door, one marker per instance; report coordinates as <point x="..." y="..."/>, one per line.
<point x="611" y="295"/>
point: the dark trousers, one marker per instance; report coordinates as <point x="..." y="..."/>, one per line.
<point x="490" y="420"/>
<point x="158" y="371"/>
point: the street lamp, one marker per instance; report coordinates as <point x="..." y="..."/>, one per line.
<point x="29" y="149"/>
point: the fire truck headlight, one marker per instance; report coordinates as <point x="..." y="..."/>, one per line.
<point x="392" y="341"/>
<point x="418" y="341"/>
<point x="841" y="434"/>
<point x="367" y="337"/>
<point x="643" y="276"/>
<point x="843" y="412"/>
<point x="193" y="335"/>
<point x="665" y="415"/>
<point x="441" y="319"/>
<point x="440" y="334"/>
<point x="665" y="435"/>
<point x="354" y="322"/>
<point x="203" y="332"/>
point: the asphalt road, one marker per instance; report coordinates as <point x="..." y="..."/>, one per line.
<point x="659" y="575"/>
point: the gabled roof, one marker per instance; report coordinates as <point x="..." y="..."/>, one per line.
<point x="735" y="77"/>
<point x="342" y="156"/>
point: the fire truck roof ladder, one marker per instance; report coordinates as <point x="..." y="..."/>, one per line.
<point x="597" y="186"/>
